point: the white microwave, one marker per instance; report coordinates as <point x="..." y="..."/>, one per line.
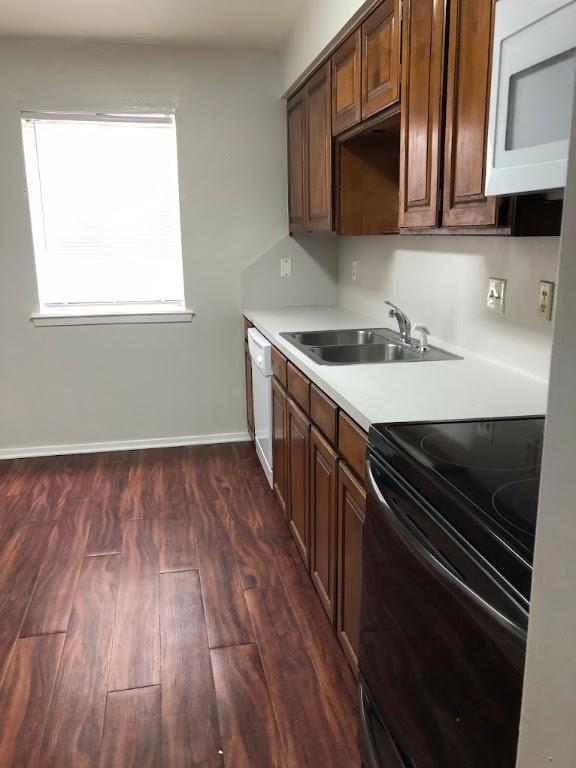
<point x="532" y="91"/>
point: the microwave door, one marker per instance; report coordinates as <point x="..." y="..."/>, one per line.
<point x="533" y="81"/>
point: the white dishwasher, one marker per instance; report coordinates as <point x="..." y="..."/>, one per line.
<point x="261" y="357"/>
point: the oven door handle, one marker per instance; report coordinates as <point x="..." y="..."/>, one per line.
<point x="426" y="554"/>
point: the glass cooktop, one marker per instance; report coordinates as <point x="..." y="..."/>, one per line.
<point x="489" y="469"/>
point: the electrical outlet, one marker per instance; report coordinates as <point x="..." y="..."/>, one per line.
<point x="285" y="267"/>
<point x="354" y="270"/>
<point x="496" y="298"/>
<point x="545" y="300"/>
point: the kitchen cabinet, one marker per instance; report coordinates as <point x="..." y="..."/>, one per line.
<point x="279" y="445"/>
<point x="248" y="382"/>
<point x="310" y="155"/>
<point x="346" y="84"/>
<point x="381" y="58"/>
<point x="297" y="162"/>
<point x="421" y="121"/>
<point x="323" y="517"/>
<point x="319" y="152"/>
<point x="298" y="479"/>
<point x="351" y="515"/>
<point x="467" y="104"/>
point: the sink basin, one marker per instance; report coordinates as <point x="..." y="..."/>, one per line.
<point x="357" y="346"/>
<point x="365" y="353"/>
<point x="337" y="338"/>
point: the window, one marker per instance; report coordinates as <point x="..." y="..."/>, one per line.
<point x="104" y="206"/>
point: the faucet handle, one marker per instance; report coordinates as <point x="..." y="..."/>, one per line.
<point x="424" y="333"/>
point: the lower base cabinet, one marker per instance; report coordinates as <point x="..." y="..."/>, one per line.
<point x="298" y="441"/>
<point x="279" y="445"/>
<point x="319" y="491"/>
<point x="351" y="515"/>
<point x="323" y="520"/>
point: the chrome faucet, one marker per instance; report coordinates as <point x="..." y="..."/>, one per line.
<point x="403" y="322"/>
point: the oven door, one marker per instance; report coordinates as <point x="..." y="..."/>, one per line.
<point x="442" y="643"/>
<point x="533" y="78"/>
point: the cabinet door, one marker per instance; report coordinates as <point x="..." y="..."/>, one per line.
<point x="420" y="133"/>
<point x="299" y="479"/>
<point x="351" y="514"/>
<point x="346" y="84"/>
<point x="279" y="444"/>
<point x="323" y="519"/>
<point x="467" y="104"/>
<point x="297" y="162"/>
<point x="249" y="397"/>
<point x="381" y="58"/>
<point x="319" y="152"/>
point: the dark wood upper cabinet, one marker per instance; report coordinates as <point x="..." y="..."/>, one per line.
<point x="298" y="433"/>
<point x="351" y="515"/>
<point x="421" y="125"/>
<point x="297" y="162"/>
<point x="346" y="84"/>
<point x="381" y="58"/>
<point x="323" y="520"/>
<point x="467" y="104"/>
<point x="319" y="152"/>
<point x="279" y="445"/>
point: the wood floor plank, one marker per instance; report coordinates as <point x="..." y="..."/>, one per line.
<point x="51" y="603"/>
<point x="21" y="558"/>
<point x="136" y="647"/>
<point x="107" y="530"/>
<point x="24" y="699"/>
<point x="190" y="732"/>
<point x="177" y="544"/>
<point x="132" y="735"/>
<point x="73" y="731"/>
<point x="227" y="616"/>
<point x="253" y="551"/>
<point x="306" y="728"/>
<point x="249" y="741"/>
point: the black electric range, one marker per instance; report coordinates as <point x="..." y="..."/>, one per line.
<point x="482" y="476"/>
<point x="447" y="565"/>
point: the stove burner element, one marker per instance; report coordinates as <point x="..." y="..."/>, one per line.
<point x="479" y="451"/>
<point x="517" y="503"/>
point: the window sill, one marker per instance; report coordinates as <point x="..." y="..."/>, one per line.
<point x="42" y="319"/>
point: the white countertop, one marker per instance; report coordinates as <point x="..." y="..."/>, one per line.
<point x="472" y="388"/>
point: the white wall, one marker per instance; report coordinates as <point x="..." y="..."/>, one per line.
<point x="318" y="22"/>
<point x="547" y="730"/>
<point x="442" y="282"/>
<point x="87" y="384"/>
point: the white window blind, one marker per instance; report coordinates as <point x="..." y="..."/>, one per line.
<point x="105" y="213"/>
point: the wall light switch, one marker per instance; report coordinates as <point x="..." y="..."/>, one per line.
<point x="496" y="298"/>
<point x="354" y="270"/>
<point x="285" y="267"/>
<point x="545" y="300"/>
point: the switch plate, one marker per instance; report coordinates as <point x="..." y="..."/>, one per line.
<point x="285" y="267"/>
<point x="354" y="270"/>
<point x="545" y="300"/>
<point x="496" y="297"/>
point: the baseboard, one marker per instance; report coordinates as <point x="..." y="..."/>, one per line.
<point x="122" y="445"/>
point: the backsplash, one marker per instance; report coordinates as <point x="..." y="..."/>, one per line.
<point x="442" y="282"/>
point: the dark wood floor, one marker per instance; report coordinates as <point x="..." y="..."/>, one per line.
<point x="155" y="613"/>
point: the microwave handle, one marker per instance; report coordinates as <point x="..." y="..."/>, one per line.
<point x="428" y="556"/>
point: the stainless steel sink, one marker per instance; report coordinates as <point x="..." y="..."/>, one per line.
<point x="336" y="338"/>
<point x="367" y="345"/>
<point x="365" y="353"/>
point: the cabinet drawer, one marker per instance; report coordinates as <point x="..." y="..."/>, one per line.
<point x="352" y="442"/>
<point x="324" y="413"/>
<point x="279" y="366"/>
<point x="299" y="387"/>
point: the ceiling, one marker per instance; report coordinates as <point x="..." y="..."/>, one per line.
<point x="232" y="22"/>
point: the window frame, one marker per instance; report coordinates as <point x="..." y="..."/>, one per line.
<point x="107" y="313"/>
